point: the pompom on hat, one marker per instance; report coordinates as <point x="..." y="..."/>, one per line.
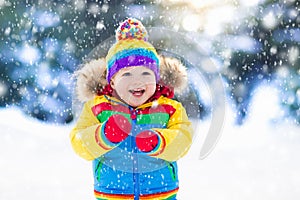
<point x="131" y="49"/>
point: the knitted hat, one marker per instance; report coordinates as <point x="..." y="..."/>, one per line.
<point x="131" y="49"/>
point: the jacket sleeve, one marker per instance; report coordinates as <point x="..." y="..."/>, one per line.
<point x="85" y="136"/>
<point x="176" y="139"/>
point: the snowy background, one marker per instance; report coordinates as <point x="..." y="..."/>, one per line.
<point x="256" y="161"/>
<point x="253" y="45"/>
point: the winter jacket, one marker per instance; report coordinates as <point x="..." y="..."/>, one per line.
<point x="122" y="171"/>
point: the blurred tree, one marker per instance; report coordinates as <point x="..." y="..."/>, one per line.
<point x="275" y="28"/>
<point x="42" y="42"/>
<point x="257" y="41"/>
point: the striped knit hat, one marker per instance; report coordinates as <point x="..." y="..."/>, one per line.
<point x="131" y="49"/>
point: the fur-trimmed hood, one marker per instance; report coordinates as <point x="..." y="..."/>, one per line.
<point x="91" y="78"/>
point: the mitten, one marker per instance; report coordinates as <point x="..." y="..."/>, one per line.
<point x="117" y="128"/>
<point x="147" y="140"/>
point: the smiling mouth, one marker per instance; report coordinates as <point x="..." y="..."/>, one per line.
<point x="137" y="92"/>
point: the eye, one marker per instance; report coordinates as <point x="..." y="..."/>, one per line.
<point x="126" y="74"/>
<point x="146" y="73"/>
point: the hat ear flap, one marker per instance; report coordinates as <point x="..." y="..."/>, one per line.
<point x="173" y="73"/>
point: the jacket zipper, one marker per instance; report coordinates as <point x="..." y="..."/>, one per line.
<point x="171" y="168"/>
<point x="98" y="169"/>
<point x="136" y="178"/>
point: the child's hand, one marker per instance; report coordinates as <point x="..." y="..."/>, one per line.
<point x="147" y="140"/>
<point x="117" y="128"/>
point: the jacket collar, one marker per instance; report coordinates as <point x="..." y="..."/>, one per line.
<point x="161" y="90"/>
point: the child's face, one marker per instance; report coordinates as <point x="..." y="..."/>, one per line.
<point x="134" y="85"/>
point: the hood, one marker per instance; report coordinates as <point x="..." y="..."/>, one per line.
<point x="91" y="77"/>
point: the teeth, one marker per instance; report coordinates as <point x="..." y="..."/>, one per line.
<point x="137" y="91"/>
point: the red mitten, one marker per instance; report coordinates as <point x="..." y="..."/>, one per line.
<point x="117" y="128"/>
<point x="147" y="140"/>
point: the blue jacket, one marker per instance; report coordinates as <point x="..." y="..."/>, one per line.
<point x="122" y="171"/>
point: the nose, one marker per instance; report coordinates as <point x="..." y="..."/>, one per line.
<point x="138" y="80"/>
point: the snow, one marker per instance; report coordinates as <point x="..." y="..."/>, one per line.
<point x="28" y="54"/>
<point x="258" y="160"/>
<point x="37" y="161"/>
<point x="255" y="161"/>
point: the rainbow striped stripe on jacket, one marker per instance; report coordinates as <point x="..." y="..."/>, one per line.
<point x="122" y="171"/>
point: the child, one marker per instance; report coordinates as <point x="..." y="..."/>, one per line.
<point x="129" y="126"/>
